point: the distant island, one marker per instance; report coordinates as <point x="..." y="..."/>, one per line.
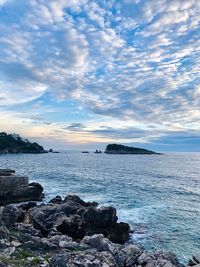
<point x="121" y="149"/>
<point x="13" y="143"/>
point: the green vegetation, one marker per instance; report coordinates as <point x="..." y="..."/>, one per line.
<point x="21" y="258"/>
<point x="121" y="149"/>
<point x="12" y="143"/>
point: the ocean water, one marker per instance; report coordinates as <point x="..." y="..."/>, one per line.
<point x="159" y="195"/>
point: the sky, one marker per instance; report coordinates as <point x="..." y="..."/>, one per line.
<point x="80" y="74"/>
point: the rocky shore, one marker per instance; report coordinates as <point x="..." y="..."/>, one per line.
<point x="72" y="233"/>
<point x="69" y="232"/>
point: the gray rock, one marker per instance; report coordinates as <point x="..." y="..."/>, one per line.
<point x="100" y="243"/>
<point x="99" y="259"/>
<point x="158" y="255"/>
<point x="128" y="256"/>
<point x="39" y="245"/>
<point x="76" y="218"/>
<point x="11" y="215"/>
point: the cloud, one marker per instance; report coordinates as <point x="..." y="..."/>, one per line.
<point x="133" y="61"/>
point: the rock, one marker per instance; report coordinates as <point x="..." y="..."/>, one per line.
<point x="104" y="217"/>
<point x="100" y="243"/>
<point x="4" y="233"/>
<point x="128" y="256"/>
<point x="56" y="200"/>
<point x="159" y="263"/>
<point x="60" y="260"/>
<point x="78" y="200"/>
<point x="119" y="233"/>
<point x="71" y="226"/>
<point x="28" y="205"/>
<point x="157" y="255"/>
<point x="98" y="259"/>
<point x="76" y="218"/>
<point x="24" y="232"/>
<point x="12" y="215"/>
<point x="35" y="192"/>
<point x="6" y="248"/>
<point x="39" y="245"/>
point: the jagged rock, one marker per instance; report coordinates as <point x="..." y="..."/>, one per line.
<point x="28" y="205"/>
<point x="159" y="263"/>
<point x="76" y="218"/>
<point x="100" y="243"/>
<point x="157" y="255"/>
<point x="78" y="200"/>
<point x="128" y="256"/>
<point x="41" y="245"/>
<point x="71" y="226"/>
<point x="4" y="233"/>
<point x="12" y="215"/>
<point x="119" y="233"/>
<point x="56" y="200"/>
<point x="98" y="259"/>
<point x="6" y="248"/>
<point x="24" y="232"/>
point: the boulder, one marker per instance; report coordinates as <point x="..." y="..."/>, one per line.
<point x="119" y="233"/>
<point x="76" y="218"/>
<point x="56" y="200"/>
<point x="11" y="215"/>
<point x="128" y="256"/>
<point x="158" y="255"/>
<point x="98" y="259"/>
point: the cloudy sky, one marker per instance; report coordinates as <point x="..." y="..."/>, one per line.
<point x="84" y="73"/>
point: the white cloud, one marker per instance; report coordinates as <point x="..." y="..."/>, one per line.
<point x="139" y="62"/>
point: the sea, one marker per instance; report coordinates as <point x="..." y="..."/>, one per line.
<point x="158" y="195"/>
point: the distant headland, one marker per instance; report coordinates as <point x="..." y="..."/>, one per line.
<point x="121" y="149"/>
<point x="13" y="143"/>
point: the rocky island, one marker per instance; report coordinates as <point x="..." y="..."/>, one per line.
<point x="121" y="149"/>
<point x="13" y="143"/>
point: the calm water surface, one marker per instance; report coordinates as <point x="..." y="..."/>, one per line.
<point x="159" y="195"/>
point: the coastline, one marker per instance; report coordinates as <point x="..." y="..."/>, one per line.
<point x="71" y="232"/>
<point x="92" y="189"/>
